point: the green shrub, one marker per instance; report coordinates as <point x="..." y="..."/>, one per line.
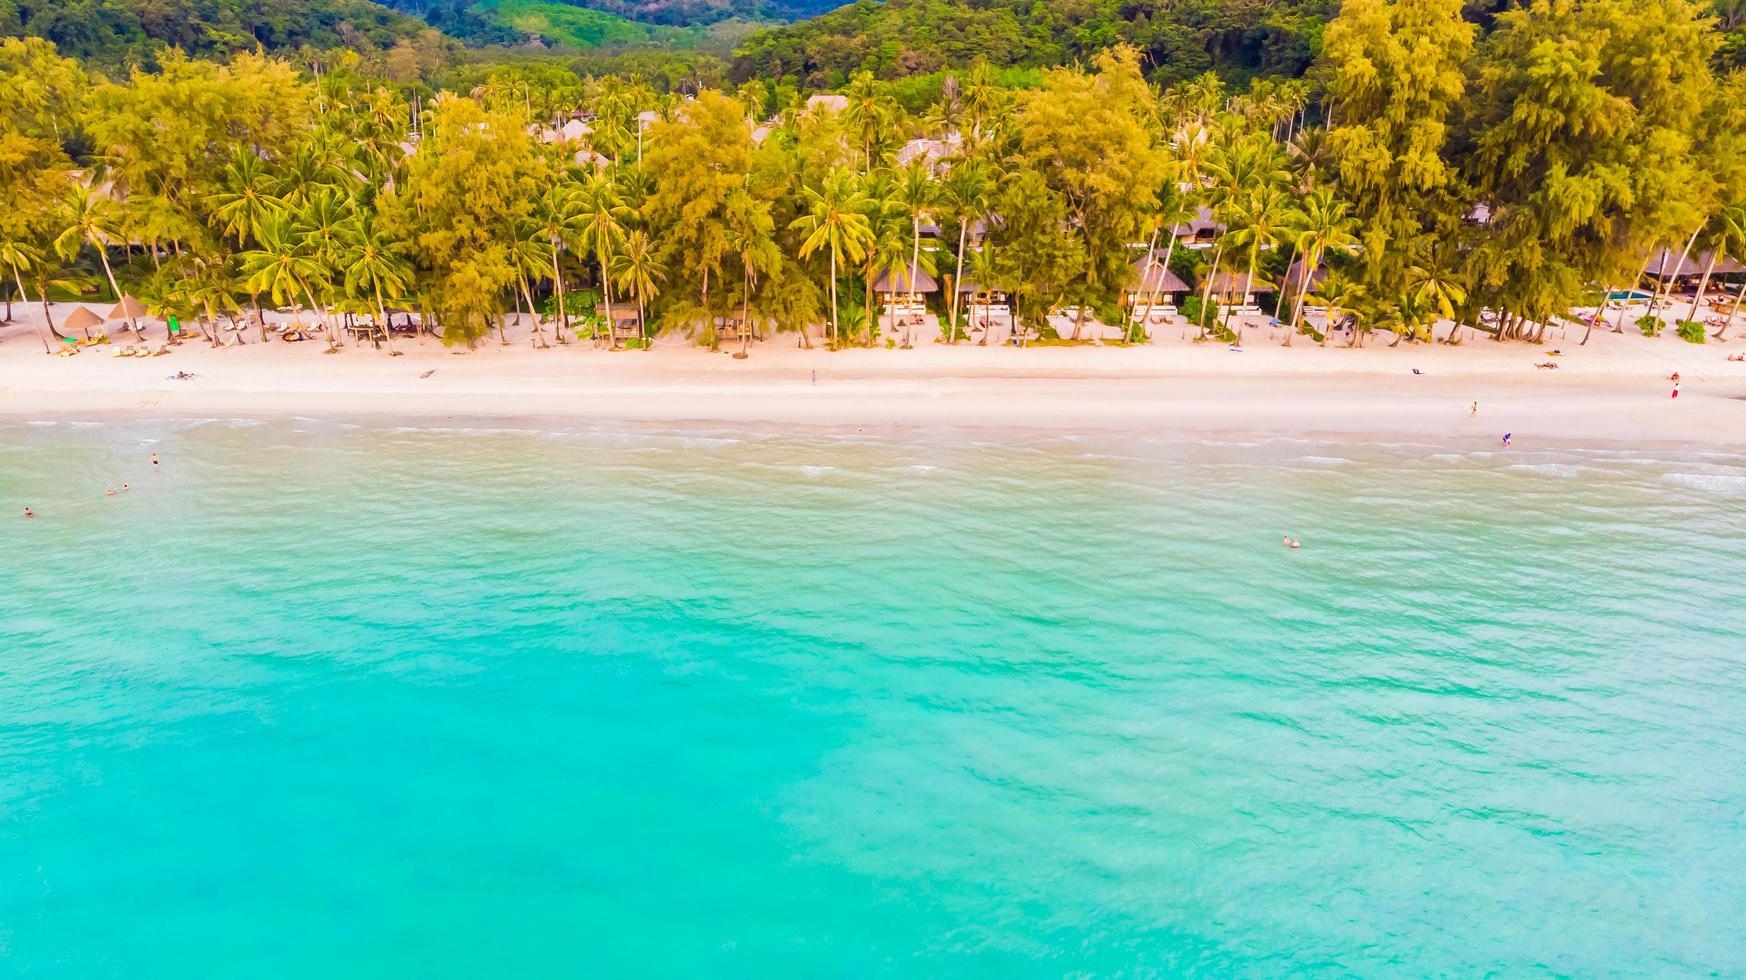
<point x="1192" y="307"/>
<point x="1691" y="331"/>
<point x="1650" y="325"/>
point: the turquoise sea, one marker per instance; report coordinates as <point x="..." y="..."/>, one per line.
<point x="319" y="699"/>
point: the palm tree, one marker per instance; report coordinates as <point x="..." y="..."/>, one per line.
<point x="320" y="227"/>
<point x="1175" y="209"/>
<point x="279" y="266"/>
<point x="752" y="235"/>
<point x="602" y="214"/>
<point x="245" y="203"/>
<point x="376" y="268"/>
<point x="19" y="256"/>
<point x="966" y="194"/>
<point x="639" y="269"/>
<point x="916" y="194"/>
<point x="560" y="220"/>
<point x="1338" y="293"/>
<point x="1729" y="237"/>
<point x="834" y="220"/>
<point x="1324" y="226"/>
<point x="1436" y="288"/>
<point x="867" y="114"/>
<point x="89" y="220"/>
<point x="1260" y="223"/>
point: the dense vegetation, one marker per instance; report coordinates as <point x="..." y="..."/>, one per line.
<point x="1588" y="134"/>
<point x="116" y="32"/>
<point x="1176" y="39"/>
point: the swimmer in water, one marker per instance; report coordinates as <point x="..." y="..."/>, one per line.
<point x="1295" y="544"/>
<point x="154" y="459"/>
<point x="29" y="513"/>
<point x="109" y="492"/>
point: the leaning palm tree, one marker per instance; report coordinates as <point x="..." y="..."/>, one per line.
<point x="19" y="256"/>
<point x="1324" y="227"/>
<point x="376" y="268"/>
<point x="91" y="219"/>
<point x="1728" y="235"/>
<point x="639" y="269"/>
<point x="1175" y="209"/>
<point x="834" y="221"/>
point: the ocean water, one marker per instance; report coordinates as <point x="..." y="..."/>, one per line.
<point x="316" y="699"/>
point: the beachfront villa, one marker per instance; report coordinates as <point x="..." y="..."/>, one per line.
<point x="1155" y="289"/>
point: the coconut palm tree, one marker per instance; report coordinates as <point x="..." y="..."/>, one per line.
<point x="1727" y="235"/>
<point x="1176" y="208"/>
<point x="245" y="200"/>
<point x="1324" y="227"/>
<point x="1435" y="287"/>
<point x="916" y="193"/>
<point x="602" y="214"/>
<point x="640" y="270"/>
<point x="1260" y="223"/>
<point x="835" y="220"/>
<point x="376" y="268"/>
<point x="752" y="236"/>
<point x="867" y="114"/>
<point x="1339" y="294"/>
<point x="559" y="216"/>
<point x="966" y="195"/>
<point x="19" y="256"/>
<point x="279" y="265"/>
<point x="91" y="219"/>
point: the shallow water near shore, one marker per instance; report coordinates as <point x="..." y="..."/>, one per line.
<point x="320" y="698"/>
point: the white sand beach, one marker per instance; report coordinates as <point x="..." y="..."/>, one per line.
<point x="1613" y="390"/>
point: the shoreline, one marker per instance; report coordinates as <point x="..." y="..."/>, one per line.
<point x="1614" y="392"/>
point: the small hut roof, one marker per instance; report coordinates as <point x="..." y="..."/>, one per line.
<point x="1319" y="273"/>
<point x="1666" y="264"/>
<point x="924" y="283"/>
<point x="1202" y="221"/>
<point x="82" y="319"/>
<point x="1227" y="282"/>
<point x="128" y="307"/>
<point x="1156" y="278"/>
<point x="828" y="102"/>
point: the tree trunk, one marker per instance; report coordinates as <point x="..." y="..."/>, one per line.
<point x="746" y="316"/>
<point x="868" y="320"/>
<point x="1733" y="312"/>
<point x="1303" y="277"/>
<point x="132" y="322"/>
<point x="1665" y="289"/>
<point x="47" y="348"/>
<point x="914" y="260"/>
<point x="958" y="282"/>
<point x="1158" y="293"/>
<point x="1248" y="290"/>
<point x="387" y="325"/>
<point x="1619" y="324"/>
<point x="539" y="330"/>
<point x="833" y="343"/>
<point x="1206" y="295"/>
<point x="1704" y="283"/>
<point x="563" y="309"/>
<point x="606" y="294"/>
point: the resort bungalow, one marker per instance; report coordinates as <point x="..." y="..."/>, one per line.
<point x="982" y="302"/>
<point x="1667" y="265"/>
<point x="897" y="292"/>
<point x="826" y="102"/>
<point x="1228" y="289"/>
<point x="1293" y="282"/>
<point x="626" y="323"/>
<point x="930" y="153"/>
<point x="1153" y="281"/>
<point x="1201" y="232"/>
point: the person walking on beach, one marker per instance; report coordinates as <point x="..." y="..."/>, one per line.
<point x="154" y="459"/>
<point x="1475" y="413"/>
<point x="1506" y="441"/>
<point x="1675" y="387"/>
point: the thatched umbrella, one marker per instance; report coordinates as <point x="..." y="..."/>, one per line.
<point x="82" y="319"/>
<point x="131" y="310"/>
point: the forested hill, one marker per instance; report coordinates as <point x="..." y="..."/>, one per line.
<point x="1177" y="38"/>
<point x="119" y="32"/>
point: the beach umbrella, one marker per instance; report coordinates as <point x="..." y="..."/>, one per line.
<point x="128" y="309"/>
<point x="82" y="319"/>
